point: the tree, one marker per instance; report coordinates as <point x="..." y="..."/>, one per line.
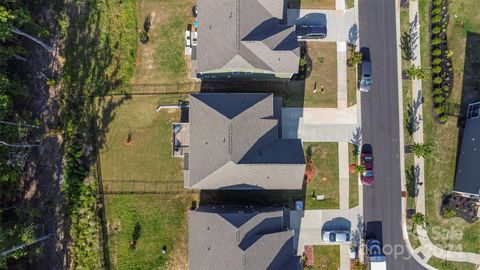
<point x="419" y="72"/>
<point x="406" y="46"/>
<point x="355" y="58"/>
<point x="422" y="149"/>
<point x="418" y="219"/>
<point x="360" y="169"/>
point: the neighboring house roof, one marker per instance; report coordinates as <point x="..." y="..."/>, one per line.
<point x="242" y="238"/>
<point x="467" y="179"/>
<point x="245" y="34"/>
<point x="235" y="144"/>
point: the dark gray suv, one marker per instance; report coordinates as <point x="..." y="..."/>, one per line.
<point x="310" y="31"/>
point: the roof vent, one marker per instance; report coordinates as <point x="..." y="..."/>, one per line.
<point x="473" y="139"/>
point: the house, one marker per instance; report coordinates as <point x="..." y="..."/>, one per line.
<point x="467" y="180"/>
<point x="245" y="39"/>
<point x="235" y="143"/>
<point x="241" y="238"/>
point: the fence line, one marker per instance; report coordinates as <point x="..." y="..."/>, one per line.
<point x="452" y="109"/>
<point x="120" y="186"/>
<point x="146" y="89"/>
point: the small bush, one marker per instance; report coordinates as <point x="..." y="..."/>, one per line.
<point x="437" y="80"/>
<point x="438" y="99"/>
<point x="438" y="91"/>
<point x="436" y="19"/>
<point x="437" y="52"/>
<point x="437" y="11"/>
<point x="436" y="30"/>
<point x="442" y="118"/>
<point x="437" y="69"/>
<point x="439" y="110"/>
<point x="436" y="41"/>
<point x="437" y="2"/>
<point x="446" y="88"/>
<point x="437" y="61"/>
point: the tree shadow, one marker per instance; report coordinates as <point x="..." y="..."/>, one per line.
<point x="356" y="141"/>
<point x="135" y="235"/>
<point x="353" y="34"/>
<point x="413" y="119"/>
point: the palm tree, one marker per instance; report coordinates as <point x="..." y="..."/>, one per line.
<point x="418" y="219"/>
<point x="422" y="149"/>
<point x="359" y="168"/>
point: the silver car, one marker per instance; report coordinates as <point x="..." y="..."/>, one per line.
<point x="366" y="76"/>
<point x="336" y="236"/>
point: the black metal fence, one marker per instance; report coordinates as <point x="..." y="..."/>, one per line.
<point x="115" y="186"/>
<point x="147" y="89"/>
<point x="452" y="109"/>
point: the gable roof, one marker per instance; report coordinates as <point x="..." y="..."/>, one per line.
<point x="245" y="34"/>
<point x="229" y="238"/>
<point x="467" y="179"/>
<point x="235" y="144"/>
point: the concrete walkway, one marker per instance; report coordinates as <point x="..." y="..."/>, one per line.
<point x="427" y="248"/>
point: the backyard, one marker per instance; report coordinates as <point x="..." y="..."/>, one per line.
<point x="323" y="75"/>
<point x="326" y="179"/>
<point x="162" y="59"/>
<point x="152" y="222"/>
<point x="326" y="257"/>
<point x="440" y="167"/>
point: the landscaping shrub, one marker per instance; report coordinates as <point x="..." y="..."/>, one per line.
<point x="442" y="118"/>
<point x="437" y="69"/>
<point x="437" y="2"/>
<point x="436" y="30"/>
<point x="436" y="19"/>
<point x="436" y="11"/>
<point x="439" y="110"/>
<point x="437" y="52"/>
<point x="436" y="41"/>
<point x="437" y="80"/>
<point x="438" y="99"/>
<point x="437" y="61"/>
<point x="438" y="91"/>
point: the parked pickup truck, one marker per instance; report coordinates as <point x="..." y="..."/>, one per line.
<point x="310" y="31"/>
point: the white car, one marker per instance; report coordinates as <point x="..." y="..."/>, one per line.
<point x="194" y="38"/>
<point x="336" y="236"/>
<point x="187" y="39"/>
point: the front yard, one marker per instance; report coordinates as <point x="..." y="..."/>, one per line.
<point x="326" y="179"/>
<point x="326" y="257"/>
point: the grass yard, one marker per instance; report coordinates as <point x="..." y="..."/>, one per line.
<point x="317" y="4"/>
<point x="326" y="257"/>
<point x="351" y="83"/>
<point x="440" y="167"/>
<point x="162" y="59"/>
<point x="162" y="221"/>
<point x="353" y="177"/>
<point x="326" y="180"/>
<point x="149" y="156"/>
<point x="324" y="73"/>
<point x="440" y="265"/>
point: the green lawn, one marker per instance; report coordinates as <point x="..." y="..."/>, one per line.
<point x="324" y="73"/>
<point x="162" y="59"/>
<point x="149" y="157"/>
<point x="316" y="4"/>
<point x="353" y="177"/>
<point x="440" y="167"/>
<point x="351" y="82"/>
<point x="162" y="221"/>
<point x="326" y="180"/>
<point x="326" y="257"/>
<point x="440" y="265"/>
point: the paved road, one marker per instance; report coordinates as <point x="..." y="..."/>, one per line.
<point x="380" y="122"/>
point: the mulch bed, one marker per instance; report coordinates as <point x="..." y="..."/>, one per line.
<point x="465" y="208"/>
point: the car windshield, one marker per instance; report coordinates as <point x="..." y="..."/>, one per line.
<point x="368" y="173"/>
<point x="368" y="159"/>
<point x="366" y="81"/>
<point x="332" y="237"/>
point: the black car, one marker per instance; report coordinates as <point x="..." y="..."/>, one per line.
<point x="310" y="31"/>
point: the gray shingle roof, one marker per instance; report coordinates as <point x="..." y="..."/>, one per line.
<point x="467" y="179"/>
<point x="227" y="238"/>
<point x="245" y="34"/>
<point x="235" y="144"/>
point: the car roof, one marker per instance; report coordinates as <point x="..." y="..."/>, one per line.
<point x="366" y="67"/>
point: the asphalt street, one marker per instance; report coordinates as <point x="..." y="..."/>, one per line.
<point x="380" y="123"/>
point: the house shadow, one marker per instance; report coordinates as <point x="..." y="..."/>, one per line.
<point x="470" y="84"/>
<point x="319" y="19"/>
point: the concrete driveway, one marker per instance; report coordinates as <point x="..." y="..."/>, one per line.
<point x="341" y="25"/>
<point x="309" y="224"/>
<point x="320" y="124"/>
